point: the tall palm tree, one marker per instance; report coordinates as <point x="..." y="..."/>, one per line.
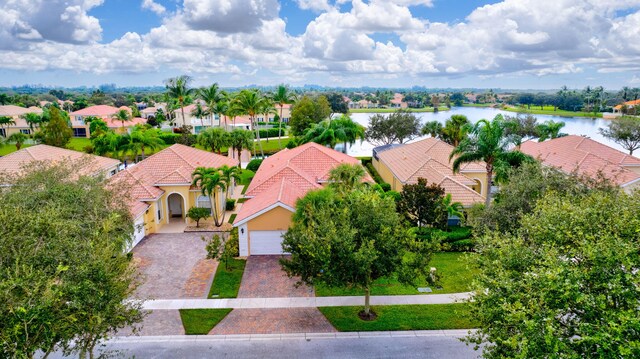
<point x="489" y="143"/>
<point x="211" y="95"/>
<point x="211" y="183"/>
<point x="213" y="138"/>
<point x="200" y="112"/>
<point x="238" y="140"/>
<point x="220" y="108"/>
<point x="252" y="103"/>
<point x="142" y="138"/>
<point x="178" y="89"/>
<point x="330" y="133"/>
<point x="230" y="175"/>
<point x="455" y="129"/>
<point x="122" y="116"/>
<point x="33" y="120"/>
<point x="282" y="97"/>
<point x="550" y="130"/>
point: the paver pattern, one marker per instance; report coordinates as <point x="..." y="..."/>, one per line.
<point x="273" y="321"/>
<point x="264" y="278"/>
<point x="170" y="266"/>
<point x="158" y="322"/>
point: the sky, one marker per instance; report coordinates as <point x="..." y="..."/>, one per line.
<point x="510" y="44"/>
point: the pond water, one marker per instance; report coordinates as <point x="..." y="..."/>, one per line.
<point x="573" y="125"/>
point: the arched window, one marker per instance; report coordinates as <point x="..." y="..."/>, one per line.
<point x="204" y="202"/>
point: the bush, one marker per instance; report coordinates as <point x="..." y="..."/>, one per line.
<point x="231" y="204"/>
<point x="374" y="173"/>
<point x="271" y="132"/>
<point x="393" y="194"/>
<point x="385" y="186"/>
<point x="254" y="165"/>
<point x="292" y="144"/>
<point x="454" y="233"/>
<point x="88" y="149"/>
<point x="169" y="138"/>
<point x="198" y="213"/>
<point x="463" y="245"/>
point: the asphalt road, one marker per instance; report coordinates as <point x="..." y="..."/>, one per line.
<point x="373" y="347"/>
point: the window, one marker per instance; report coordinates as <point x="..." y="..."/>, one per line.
<point x="79" y="132"/>
<point x="204" y="202"/>
<point x="159" y="207"/>
<point x="3" y="132"/>
<point x="26" y="132"/>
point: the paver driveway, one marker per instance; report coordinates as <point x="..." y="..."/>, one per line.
<point x="264" y="278"/>
<point x="173" y="265"/>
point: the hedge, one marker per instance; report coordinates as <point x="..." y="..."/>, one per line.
<point x="254" y="164"/>
<point x="231" y="204"/>
<point x="169" y="138"/>
<point x="454" y="234"/>
<point x="271" y="132"/>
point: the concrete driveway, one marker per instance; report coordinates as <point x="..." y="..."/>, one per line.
<point x="173" y="266"/>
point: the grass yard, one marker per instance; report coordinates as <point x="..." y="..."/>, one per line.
<point x="6" y="149"/>
<point x="391" y="110"/>
<point x="78" y="144"/>
<point x="201" y="321"/>
<point x="227" y="283"/>
<point x="246" y="176"/>
<point x="402" y="317"/>
<point x="232" y="218"/>
<point x="548" y="110"/>
<point x="477" y="105"/>
<point x="455" y="277"/>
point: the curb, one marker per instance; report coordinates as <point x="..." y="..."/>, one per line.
<point x="456" y="333"/>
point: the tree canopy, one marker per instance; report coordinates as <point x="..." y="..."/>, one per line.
<point x="624" y="131"/>
<point x="308" y="111"/>
<point x="56" y="132"/>
<point x="397" y="127"/>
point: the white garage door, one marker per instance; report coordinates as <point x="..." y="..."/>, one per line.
<point x="266" y="242"/>
<point x="138" y="231"/>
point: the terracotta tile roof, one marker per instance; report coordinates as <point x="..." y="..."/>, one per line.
<point x="586" y="156"/>
<point x="112" y="123"/>
<point x="429" y="159"/>
<point x="13" y="162"/>
<point x="12" y="110"/>
<point x="628" y="103"/>
<point x="296" y="171"/>
<point x="98" y="111"/>
<point x="171" y="166"/>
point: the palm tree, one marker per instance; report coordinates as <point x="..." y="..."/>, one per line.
<point x="230" y="175"/>
<point x="33" y="120"/>
<point x="213" y="138"/>
<point x="330" y="133"/>
<point x="452" y="208"/>
<point x="455" y="129"/>
<point x="347" y="176"/>
<point x="122" y="116"/>
<point x="220" y="108"/>
<point x="550" y="130"/>
<point x="489" y="143"/>
<point x="107" y="142"/>
<point x="252" y="103"/>
<point x="282" y="97"/>
<point x="18" y="138"/>
<point x="142" y="138"/>
<point x="200" y="112"/>
<point x="6" y="121"/>
<point x="239" y="140"/>
<point x="432" y="128"/>
<point x="211" y="183"/>
<point x="211" y="96"/>
<point x="178" y="89"/>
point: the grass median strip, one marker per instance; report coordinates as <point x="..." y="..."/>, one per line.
<point x="201" y="321"/>
<point x="402" y="317"/>
<point x="226" y="283"/>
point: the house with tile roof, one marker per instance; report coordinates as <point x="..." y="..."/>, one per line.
<point x="629" y="107"/>
<point x="279" y="182"/>
<point x="587" y="157"/>
<point x="160" y="187"/>
<point x="16" y="113"/>
<point x="429" y="159"/>
<point x="105" y="112"/>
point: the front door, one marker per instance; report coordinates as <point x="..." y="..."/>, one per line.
<point x="175" y="205"/>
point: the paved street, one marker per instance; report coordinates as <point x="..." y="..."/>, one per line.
<point x="420" y="344"/>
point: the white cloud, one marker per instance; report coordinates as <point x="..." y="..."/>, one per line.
<point x="159" y="9"/>
<point x="229" y="16"/>
<point x="314" y="5"/>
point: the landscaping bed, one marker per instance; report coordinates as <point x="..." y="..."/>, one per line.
<point x="402" y="317"/>
<point x="452" y="268"/>
<point x="227" y="283"/>
<point x="201" y="321"/>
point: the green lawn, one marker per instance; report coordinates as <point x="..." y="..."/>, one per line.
<point x="402" y="317"/>
<point x="391" y="110"/>
<point x="455" y="277"/>
<point x="227" y="283"/>
<point x="246" y="176"/>
<point x="201" y="321"/>
<point x="232" y="217"/>
<point x="548" y="110"/>
<point x="78" y="144"/>
<point x="6" y="149"/>
<point x="477" y="105"/>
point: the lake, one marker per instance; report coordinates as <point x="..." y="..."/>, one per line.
<point x="573" y="125"/>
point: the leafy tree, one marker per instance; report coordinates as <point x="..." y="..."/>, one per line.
<point x="198" y="213"/>
<point x="122" y="116"/>
<point x="18" y="138"/>
<point x="337" y="103"/>
<point x="186" y="137"/>
<point x="223" y="250"/>
<point x="65" y="277"/>
<point x="214" y="138"/>
<point x="252" y="103"/>
<point x="4" y="99"/>
<point x="211" y="183"/>
<point x="565" y="285"/>
<point x="422" y="204"/>
<point x="97" y="127"/>
<point x="57" y="131"/>
<point x="523" y="127"/>
<point x="240" y="139"/>
<point x="281" y="97"/>
<point x="106" y="143"/>
<point x="352" y="240"/>
<point x="457" y="98"/>
<point x="624" y="131"/>
<point x="331" y="132"/>
<point x="489" y="143"/>
<point x="550" y="130"/>
<point x="308" y="111"/>
<point x="179" y="91"/>
<point x="397" y="127"/>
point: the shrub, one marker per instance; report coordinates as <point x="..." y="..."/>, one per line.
<point x="254" y="165"/>
<point x="88" y="149"/>
<point x="231" y="204"/>
<point x="374" y="173"/>
<point x="453" y="234"/>
<point x="292" y="144"/>
<point x="385" y="186"/>
<point x="271" y="132"/>
<point x="393" y="194"/>
<point x="463" y="245"/>
<point x="198" y="213"/>
<point x="169" y="138"/>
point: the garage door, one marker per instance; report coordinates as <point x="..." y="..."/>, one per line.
<point x="138" y="231"/>
<point x="265" y="242"/>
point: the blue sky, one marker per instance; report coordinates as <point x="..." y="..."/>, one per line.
<point x="391" y="43"/>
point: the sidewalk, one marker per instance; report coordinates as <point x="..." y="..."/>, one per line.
<point x="302" y="302"/>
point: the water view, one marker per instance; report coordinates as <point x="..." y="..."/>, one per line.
<point x="573" y="125"/>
